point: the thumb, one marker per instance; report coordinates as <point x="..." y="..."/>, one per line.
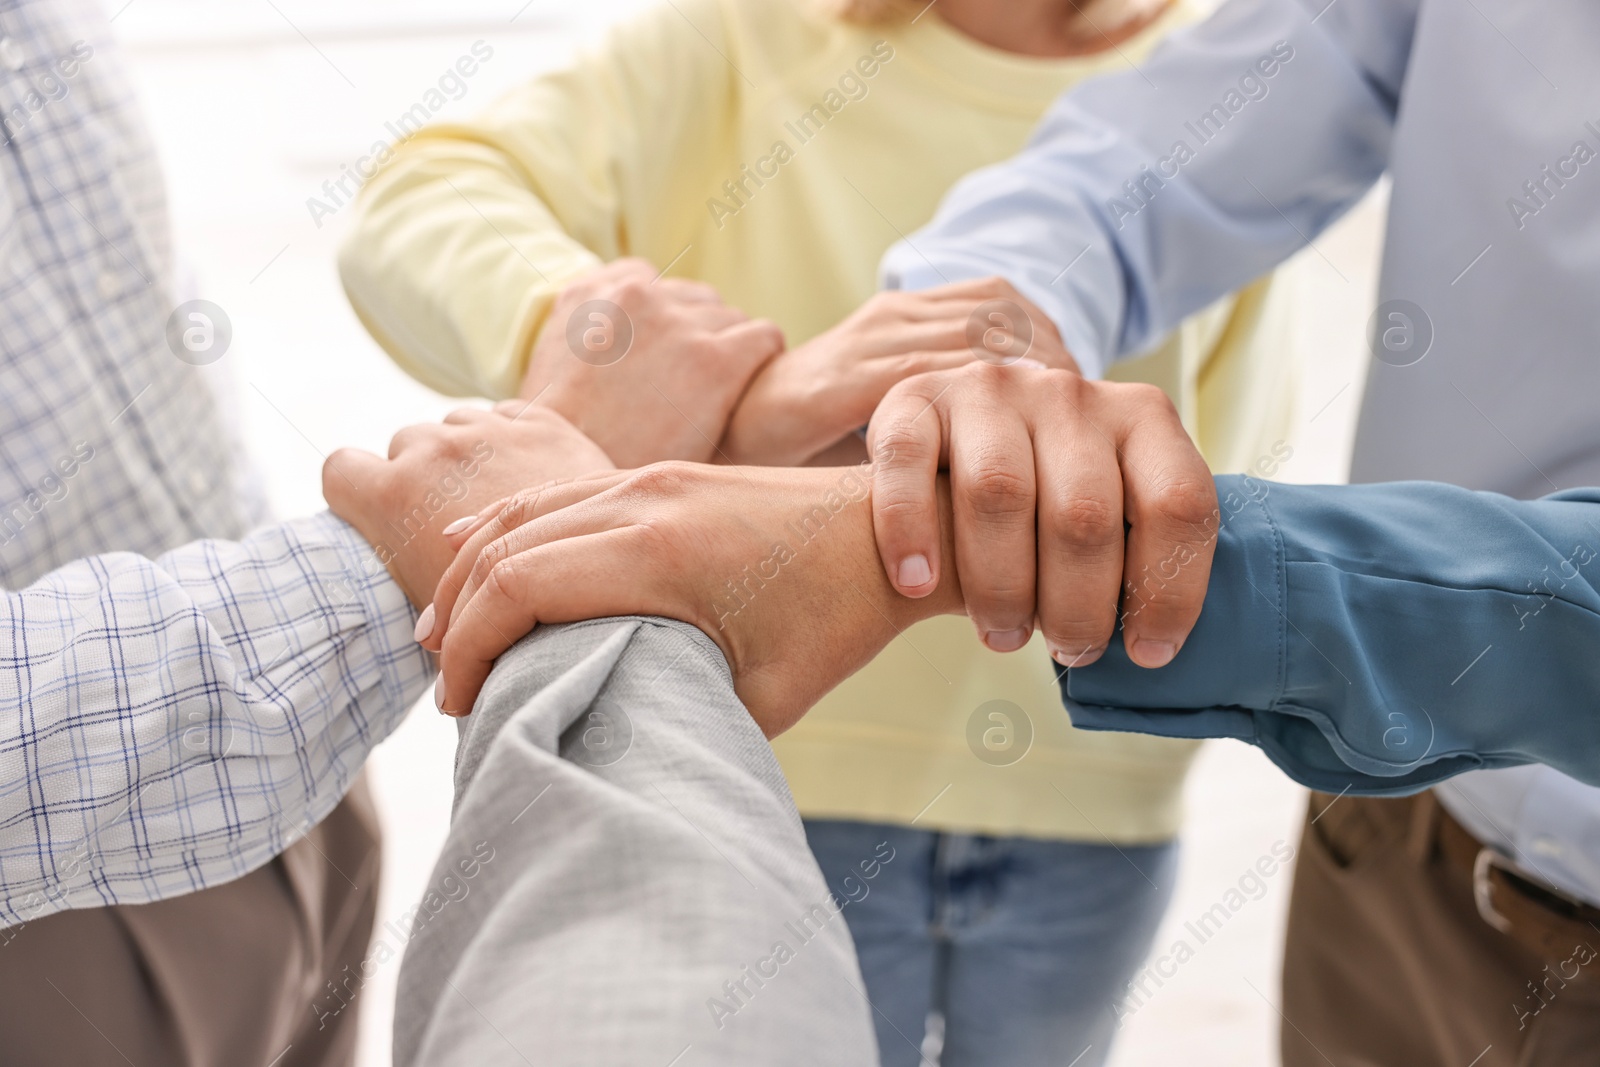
<point x="755" y="342"/>
<point x="350" y="478"/>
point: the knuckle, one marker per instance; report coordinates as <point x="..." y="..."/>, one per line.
<point x="1073" y="387"/>
<point x="661" y="479"/>
<point x="1000" y="490"/>
<point x="1188" y="501"/>
<point x="986" y="378"/>
<point x="900" y="445"/>
<point x="771" y="334"/>
<point x="913" y="363"/>
<point x="489" y="557"/>
<point x="922" y="390"/>
<point x="521" y="508"/>
<point x="752" y="347"/>
<point x="886" y="301"/>
<point x="1149" y="399"/>
<point x="1083" y="520"/>
<point x="902" y="505"/>
<point x="631" y="294"/>
<point x="502" y="582"/>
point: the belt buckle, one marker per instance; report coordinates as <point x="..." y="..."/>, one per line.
<point x="1483" y="889"/>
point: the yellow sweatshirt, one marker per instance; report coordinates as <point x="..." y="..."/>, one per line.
<point x="776" y="154"/>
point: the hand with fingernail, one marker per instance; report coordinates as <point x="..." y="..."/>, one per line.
<point x="1074" y="502"/>
<point x="776" y="565"/>
<point x="647" y="366"/>
<point x="437" y="477"/>
<point x="819" y="393"/>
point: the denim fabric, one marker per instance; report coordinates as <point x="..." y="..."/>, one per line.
<point x="1022" y="946"/>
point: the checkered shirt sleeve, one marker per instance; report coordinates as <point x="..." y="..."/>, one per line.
<point x="178" y="722"/>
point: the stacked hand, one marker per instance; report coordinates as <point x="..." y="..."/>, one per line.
<point x="649" y="368"/>
<point x="1071" y="500"/>
<point x="776" y="566"/>
<point x="810" y="397"/>
<point x="1066" y="501"/>
<point x="779" y="566"/>
<point x="438" y="474"/>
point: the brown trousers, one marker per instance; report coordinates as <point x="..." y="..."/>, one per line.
<point x="226" y="977"/>
<point x="1390" y="964"/>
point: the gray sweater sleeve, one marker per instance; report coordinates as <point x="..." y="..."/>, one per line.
<point x="626" y="880"/>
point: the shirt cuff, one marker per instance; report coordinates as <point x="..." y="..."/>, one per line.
<point x="368" y="589"/>
<point x="1233" y="662"/>
<point x="1246" y="653"/>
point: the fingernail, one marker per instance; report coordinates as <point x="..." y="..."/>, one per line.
<point x="914" y="571"/>
<point x="459" y="525"/>
<point x="1080" y="658"/>
<point x="1031" y="364"/>
<point x="438" y="693"/>
<point x="1005" y="640"/>
<point x="424" y="628"/>
<point x="1148" y="653"/>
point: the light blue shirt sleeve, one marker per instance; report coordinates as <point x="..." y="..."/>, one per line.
<point x="1382" y="638"/>
<point x="1147" y="195"/>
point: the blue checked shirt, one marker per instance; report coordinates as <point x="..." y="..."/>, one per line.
<point x="174" y="711"/>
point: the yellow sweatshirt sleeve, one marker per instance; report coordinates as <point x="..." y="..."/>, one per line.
<point x="461" y="243"/>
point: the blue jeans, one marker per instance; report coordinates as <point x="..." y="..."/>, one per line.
<point x="1023" y="946"/>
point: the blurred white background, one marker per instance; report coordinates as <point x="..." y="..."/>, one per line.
<point x="255" y="103"/>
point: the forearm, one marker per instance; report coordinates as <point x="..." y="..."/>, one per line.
<point x="454" y="261"/>
<point x="1382" y="638"/>
<point x="622" y="834"/>
<point x="177" y="722"/>
<point x="463" y="240"/>
<point x="1118" y="233"/>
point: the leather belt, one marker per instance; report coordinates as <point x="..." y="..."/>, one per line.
<point x="1547" y="921"/>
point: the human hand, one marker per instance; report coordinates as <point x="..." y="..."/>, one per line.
<point x="1049" y="475"/>
<point x="439" y="473"/>
<point x="810" y="397"/>
<point x="647" y="367"/>
<point x="776" y="565"/>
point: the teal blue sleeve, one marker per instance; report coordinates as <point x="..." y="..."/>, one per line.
<point x="1382" y="638"/>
